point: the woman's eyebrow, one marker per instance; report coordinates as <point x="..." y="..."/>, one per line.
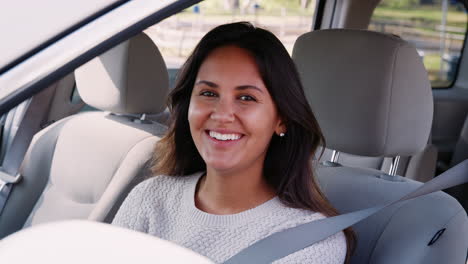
<point x="240" y="87"/>
<point x="208" y="83"/>
<point x="245" y="87"/>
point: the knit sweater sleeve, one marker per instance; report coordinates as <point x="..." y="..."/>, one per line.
<point x="131" y="213"/>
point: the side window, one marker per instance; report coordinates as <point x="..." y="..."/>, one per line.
<point x="437" y="28"/>
<point x="177" y="36"/>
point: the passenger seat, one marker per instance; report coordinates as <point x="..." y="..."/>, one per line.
<point x="82" y="166"/>
<point x="372" y="97"/>
<point x="420" y="166"/>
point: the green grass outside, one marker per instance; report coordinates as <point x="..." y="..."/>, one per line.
<point x="422" y="15"/>
<point x="269" y="8"/>
<point x="432" y="62"/>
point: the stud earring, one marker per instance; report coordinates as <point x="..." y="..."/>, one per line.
<point x="281" y="134"/>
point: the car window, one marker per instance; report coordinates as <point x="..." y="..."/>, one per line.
<point x="437" y="28"/>
<point x="177" y="36"/>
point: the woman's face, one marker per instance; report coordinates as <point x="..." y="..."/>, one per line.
<point x="232" y="115"/>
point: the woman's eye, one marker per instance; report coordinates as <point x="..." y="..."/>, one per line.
<point x="247" y="98"/>
<point x="207" y="93"/>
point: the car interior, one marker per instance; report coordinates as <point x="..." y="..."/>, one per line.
<point x="387" y="131"/>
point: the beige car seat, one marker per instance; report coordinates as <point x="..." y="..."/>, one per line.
<point x="372" y="97"/>
<point x="419" y="166"/>
<point x="83" y="165"/>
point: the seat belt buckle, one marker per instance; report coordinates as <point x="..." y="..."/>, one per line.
<point x="6" y="179"/>
<point x="2" y="185"/>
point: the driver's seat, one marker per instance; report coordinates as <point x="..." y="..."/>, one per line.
<point x="82" y="167"/>
<point x="372" y="97"/>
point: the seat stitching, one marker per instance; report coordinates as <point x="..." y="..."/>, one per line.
<point x="389" y="106"/>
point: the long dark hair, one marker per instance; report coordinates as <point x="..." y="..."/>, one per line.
<point x="288" y="163"/>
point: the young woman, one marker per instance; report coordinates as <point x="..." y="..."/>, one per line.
<point x="237" y="157"/>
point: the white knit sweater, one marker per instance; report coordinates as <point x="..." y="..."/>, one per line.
<point x="164" y="206"/>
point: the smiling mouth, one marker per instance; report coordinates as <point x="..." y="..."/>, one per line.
<point x="224" y="137"/>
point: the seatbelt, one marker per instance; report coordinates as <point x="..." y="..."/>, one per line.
<point x="34" y="116"/>
<point x="288" y="241"/>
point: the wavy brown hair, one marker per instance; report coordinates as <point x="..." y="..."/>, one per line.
<point x="288" y="163"/>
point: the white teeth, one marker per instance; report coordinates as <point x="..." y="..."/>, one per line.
<point x="220" y="136"/>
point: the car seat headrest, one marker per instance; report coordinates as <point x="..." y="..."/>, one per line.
<point x="131" y="78"/>
<point x="369" y="91"/>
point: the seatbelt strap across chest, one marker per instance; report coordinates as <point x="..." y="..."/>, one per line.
<point x="288" y="241"/>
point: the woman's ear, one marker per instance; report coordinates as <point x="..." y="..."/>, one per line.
<point x="280" y="129"/>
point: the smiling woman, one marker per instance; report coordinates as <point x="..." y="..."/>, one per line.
<point x="243" y="136"/>
<point x="224" y="112"/>
<point x="232" y="119"/>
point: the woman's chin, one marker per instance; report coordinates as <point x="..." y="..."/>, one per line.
<point x="221" y="166"/>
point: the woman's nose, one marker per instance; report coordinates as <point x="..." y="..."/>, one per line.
<point x="223" y="111"/>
